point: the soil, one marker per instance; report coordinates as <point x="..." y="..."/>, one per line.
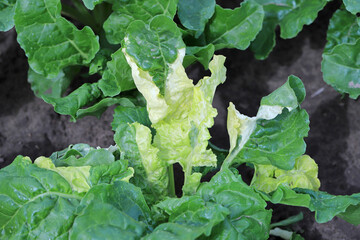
<point x="30" y="127"/>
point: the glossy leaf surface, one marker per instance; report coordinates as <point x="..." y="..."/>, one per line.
<point x="340" y="65"/>
<point x="7" y="11"/>
<point x="49" y="40"/>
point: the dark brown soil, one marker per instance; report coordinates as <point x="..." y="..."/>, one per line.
<point x="29" y="126"/>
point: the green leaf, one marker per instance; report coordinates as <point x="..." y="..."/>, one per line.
<point x="116" y="211"/>
<point x="53" y="87"/>
<point x="105" y="221"/>
<point x="192" y="214"/>
<point x="287" y="196"/>
<point x="278" y="141"/>
<point x="291" y="15"/>
<point x="38" y="203"/>
<point x="69" y="105"/>
<point x="98" y="64"/>
<point x="130" y="115"/>
<point x="194" y="14"/>
<point x="275" y="136"/>
<point x="289" y="95"/>
<point x="265" y="41"/>
<point x="267" y="178"/>
<point x="159" y="48"/>
<point x="50" y="42"/>
<point x="125" y="12"/>
<point x="35" y="197"/>
<point x="7" y="10"/>
<point x="304" y="13"/>
<point x="248" y="218"/>
<point x="122" y="195"/>
<point x="340" y="64"/>
<point x="296" y="236"/>
<point x="117" y="76"/>
<point x="90" y="4"/>
<point x="98" y="108"/>
<point x="352" y="6"/>
<point x="200" y="54"/>
<point x="341" y="68"/>
<point x="173" y="231"/>
<point x="235" y="28"/>
<point x="53" y="200"/>
<point x="93" y="157"/>
<point x="343" y="29"/>
<point x="326" y="206"/>
<point x="76" y="150"/>
<point x="224" y="208"/>
<point x="109" y="173"/>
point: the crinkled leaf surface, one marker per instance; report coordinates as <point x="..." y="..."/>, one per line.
<point x="171" y="231"/>
<point x="275" y="136"/>
<point x="117" y="76"/>
<point x="343" y="29"/>
<point x="124" y="196"/>
<point x="191" y="213"/>
<point x="43" y="202"/>
<point x="291" y="15"/>
<point x="7" y="10"/>
<point x="224" y="208"/>
<point x="49" y="40"/>
<point x="194" y="14"/>
<point x="134" y="142"/>
<point x="154" y="46"/>
<point x="78" y="177"/>
<point x="182" y="116"/>
<point x="109" y="173"/>
<point x="111" y="211"/>
<point x="267" y="178"/>
<point x="352" y="6"/>
<point x="104" y="163"/>
<point x="35" y="197"/>
<point x="248" y="218"/>
<point x="340" y="65"/>
<point x="125" y="12"/>
<point x="234" y="28"/>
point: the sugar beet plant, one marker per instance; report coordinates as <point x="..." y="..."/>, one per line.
<point x="127" y="191"/>
<point x="57" y="50"/>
